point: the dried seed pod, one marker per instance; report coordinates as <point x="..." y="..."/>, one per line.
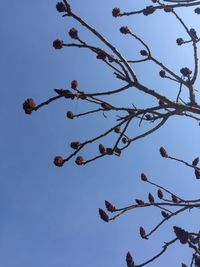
<point x="140" y="202"/>
<point x="102" y="149"/>
<point x="103" y="215"/>
<point x="160" y="193"/>
<point x="29" y="105"/>
<point x="143" y="233"/>
<point x="58" y="161"/>
<point x="195" y="161"/>
<point x="144" y="177"/>
<point x="163" y="152"/>
<point x="129" y="260"/>
<point x="165" y="214"/>
<point x="151" y="198"/>
<point x="109" y="206"/>
<point x="181" y="234"/>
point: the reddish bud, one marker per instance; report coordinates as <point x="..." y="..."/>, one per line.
<point x="185" y="72"/>
<point x="70" y="115"/>
<point x="109" y="206"/>
<point x="143" y="177"/>
<point x="195" y="161"/>
<point x="179" y="41"/>
<point x="58" y="161"/>
<point x="58" y="44"/>
<point x="80" y="160"/>
<point x="163" y="152"/>
<point x="102" y="149"/>
<point x="60" y="7"/>
<point x="116" y="12"/>
<point x="143" y="233"/>
<point x="103" y="215"/>
<point x="160" y="194"/>
<point x="29" y="105"/>
<point x="129" y="260"/>
<point x="124" y="30"/>
<point x="75" y="145"/>
<point x="140" y="202"/>
<point x="197" y="10"/>
<point x="151" y="198"/>
<point x="101" y="55"/>
<point x="149" y="10"/>
<point x="165" y="214"/>
<point x="74" y="84"/>
<point x="73" y="33"/>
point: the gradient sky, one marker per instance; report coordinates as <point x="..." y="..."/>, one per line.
<point x="49" y="215"/>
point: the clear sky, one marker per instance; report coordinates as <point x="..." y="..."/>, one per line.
<point x="49" y="215"/>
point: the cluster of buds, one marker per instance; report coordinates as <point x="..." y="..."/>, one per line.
<point x="185" y="72"/>
<point x="29" y="105"/>
<point x="116" y="12"/>
<point x="60" y="7"/>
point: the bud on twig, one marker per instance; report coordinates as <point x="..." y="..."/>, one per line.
<point x="103" y="215"/>
<point x="102" y="149"/>
<point x="143" y="233"/>
<point x="129" y="260"/>
<point x="151" y="198"/>
<point x="195" y="161"/>
<point x="140" y="202"/>
<point x="165" y="214"/>
<point x="58" y="161"/>
<point x="144" y="177"/>
<point x="109" y="206"/>
<point x="160" y="193"/>
<point x="163" y="152"/>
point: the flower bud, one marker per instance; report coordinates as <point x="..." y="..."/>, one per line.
<point x="143" y="233"/>
<point x="124" y="30"/>
<point x="116" y="12"/>
<point x="140" y="202"/>
<point x="75" y="145"/>
<point x="109" y="206"/>
<point x="73" y="33"/>
<point x="129" y="260"/>
<point x="160" y="194"/>
<point x="195" y="161"/>
<point x="151" y="198"/>
<point x="181" y="234"/>
<point x="143" y="177"/>
<point x="70" y="115"/>
<point x="60" y="7"/>
<point x="80" y="160"/>
<point x="102" y="149"/>
<point x="165" y="214"/>
<point x="58" y="44"/>
<point x="58" y="161"/>
<point x="29" y="105"/>
<point x="163" y="152"/>
<point x="103" y="215"/>
<point x="74" y="84"/>
<point x="162" y="73"/>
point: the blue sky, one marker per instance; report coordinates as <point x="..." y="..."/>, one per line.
<point x="49" y="215"/>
